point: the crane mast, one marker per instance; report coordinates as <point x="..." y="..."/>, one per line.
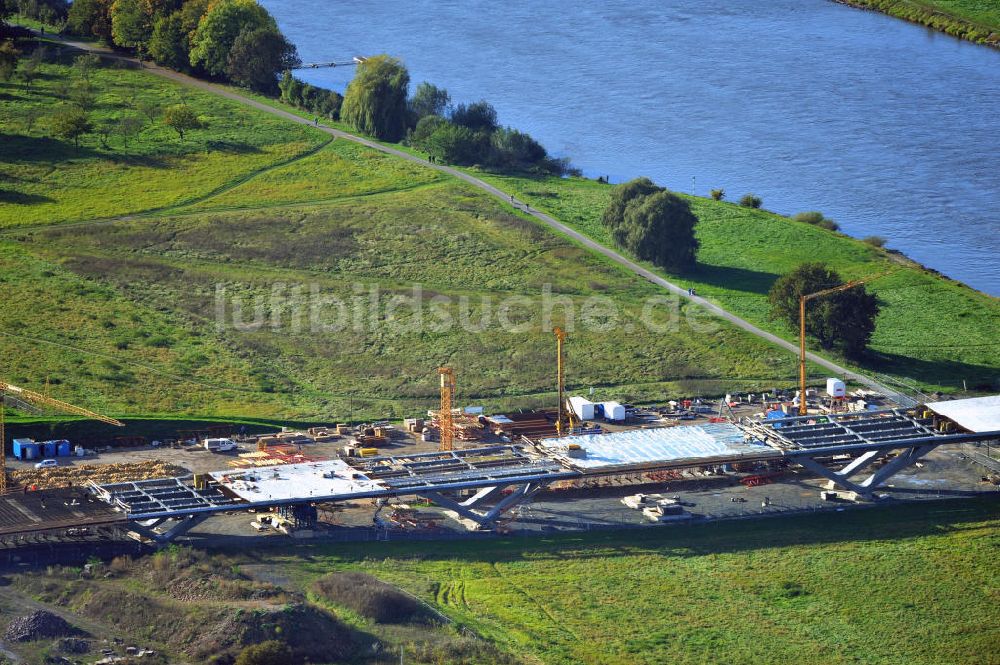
<point x="803" y="299"/>
<point x="560" y="377"/>
<point x="446" y="417"/>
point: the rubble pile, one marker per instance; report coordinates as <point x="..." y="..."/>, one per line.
<point x="38" y="625"/>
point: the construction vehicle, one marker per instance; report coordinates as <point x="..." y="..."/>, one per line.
<point x="32" y="402"/>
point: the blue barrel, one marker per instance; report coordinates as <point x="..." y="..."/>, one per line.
<point x="30" y="450"/>
<point x="49" y="449"/>
<point x="65" y="449"/>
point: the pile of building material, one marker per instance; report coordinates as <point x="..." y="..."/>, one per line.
<point x="323" y="434"/>
<point x="373" y="436"/>
<point x="272" y="456"/>
<point x="532" y="424"/>
<point x="61" y="476"/>
<point x="38" y="625"/>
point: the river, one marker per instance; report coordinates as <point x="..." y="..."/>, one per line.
<point x="887" y="127"/>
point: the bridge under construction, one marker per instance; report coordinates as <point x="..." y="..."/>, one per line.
<point x="856" y="452"/>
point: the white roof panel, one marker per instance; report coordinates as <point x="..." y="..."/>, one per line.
<point x="976" y="414"/>
<point x="296" y="481"/>
<point x="645" y="446"/>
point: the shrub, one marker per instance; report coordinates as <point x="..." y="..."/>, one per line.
<point x="718" y="194"/>
<point x="271" y="652"/>
<point x="810" y="217"/>
<point x="750" y="201"/>
<point x="816" y="218"/>
<point x="370" y="597"/>
<point x="458" y="145"/>
<point x="875" y="241"/>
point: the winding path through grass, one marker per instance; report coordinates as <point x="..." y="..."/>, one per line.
<point x="505" y="197"/>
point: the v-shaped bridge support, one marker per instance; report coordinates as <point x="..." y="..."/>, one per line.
<point x="471" y="508"/>
<point x="866" y="487"/>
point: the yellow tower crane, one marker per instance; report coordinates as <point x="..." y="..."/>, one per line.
<point x="803" y="299"/>
<point x="28" y="399"/>
<point x="446" y="418"/>
<point x="560" y="376"/>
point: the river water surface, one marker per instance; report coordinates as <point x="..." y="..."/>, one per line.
<point x="887" y="127"/>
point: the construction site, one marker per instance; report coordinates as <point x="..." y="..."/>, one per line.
<point x="459" y="470"/>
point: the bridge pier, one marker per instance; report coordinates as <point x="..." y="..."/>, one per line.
<point x="866" y="487"/>
<point x="471" y="508"/>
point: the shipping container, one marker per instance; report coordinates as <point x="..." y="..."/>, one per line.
<point x="614" y="411"/>
<point x="583" y="408"/>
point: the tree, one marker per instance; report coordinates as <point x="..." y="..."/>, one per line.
<point x="168" y="45"/>
<point x="8" y="59"/>
<point x="191" y="12"/>
<point x="750" y="201"/>
<point x="843" y="321"/>
<point x="218" y="29"/>
<point x="375" y="102"/>
<point x="659" y="227"/>
<point x="131" y="26"/>
<point x="479" y="116"/>
<point x="426" y="126"/>
<point x="82" y="94"/>
<point x="258" y="56"/>
<point x="29" y="67"/>
<point x="428" y="99"/>
<point x="70" y="123"/>
<point x="457" y="145"/>
<point x="718" y="194"/>
<point x="90" y="18"/>
<point x="512" y="148"/>
<point x="84" y="65"/>
<point x="181" y="118"/>
<point x="622" y="195"/>
<point x="127" y="126"/>
<point x="291" y="89"/>
<point x="149" y="109"/>
<point x="271" y="652"/>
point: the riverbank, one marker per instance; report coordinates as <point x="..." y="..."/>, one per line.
<point x="964" y="19"/>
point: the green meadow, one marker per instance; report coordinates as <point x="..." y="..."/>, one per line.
<point x="932" y="331"/>
<point x="902" y="585"/>
<point x="117" y="260"/>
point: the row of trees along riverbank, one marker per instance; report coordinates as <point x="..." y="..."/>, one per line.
<point x="238" y="42"/>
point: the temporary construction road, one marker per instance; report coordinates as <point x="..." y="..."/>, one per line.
<point x="505" y="197"/>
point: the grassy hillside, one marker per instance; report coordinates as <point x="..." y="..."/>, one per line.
<point x="120" y="313"/>
<point x="44" y="179"/>
<point x="975" y="20"/>
<point x="192" y="607"/>
<point x="909" y="584"/>
<point x="932" y="330"/>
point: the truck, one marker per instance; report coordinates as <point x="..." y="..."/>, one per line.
<point x="219" y="445"/>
